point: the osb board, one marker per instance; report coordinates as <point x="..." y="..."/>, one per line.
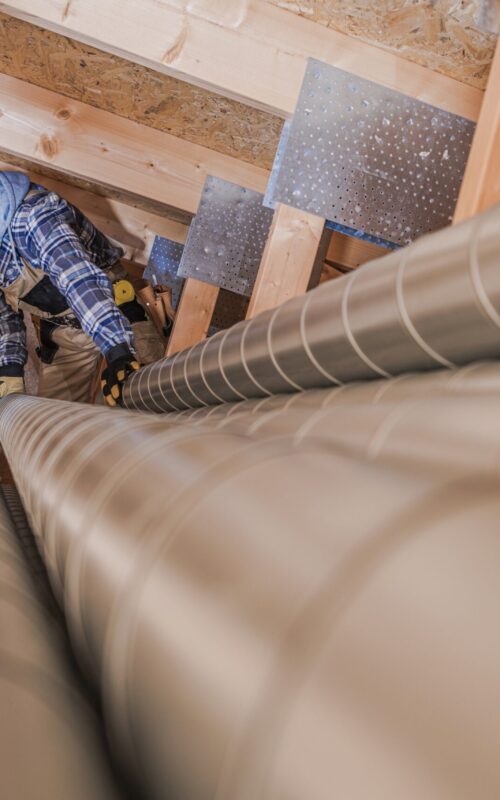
<point x="441" y="34"/>
<point x="130" y="90"/>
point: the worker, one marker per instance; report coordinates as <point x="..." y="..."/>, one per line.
<point x="57" y="266"/>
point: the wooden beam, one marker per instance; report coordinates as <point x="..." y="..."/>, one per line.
<point x="481" y="184"/>
<point x="133" y="228"/>
<point x="329" y="273"/>
<point x="248" y="50"/>
<point x="194" y="315"/>
<point x="288" y="258"/>
<point x="347" y="251"/>
<point x="47" y="128"/>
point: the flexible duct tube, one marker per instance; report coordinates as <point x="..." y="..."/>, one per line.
<point x="289" y="597"/>
<point x="433" y="304"/>
<point x="51" y="747"/>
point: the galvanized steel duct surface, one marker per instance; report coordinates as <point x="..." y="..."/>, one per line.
<point x="433" y="304"/>
<point x="51" y="745"/>
<point x="289" y="597"/>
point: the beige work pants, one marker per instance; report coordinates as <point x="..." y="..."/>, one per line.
<point x="72" y="374"/>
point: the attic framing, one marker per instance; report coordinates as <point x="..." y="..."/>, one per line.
<point x="250" y="51"/>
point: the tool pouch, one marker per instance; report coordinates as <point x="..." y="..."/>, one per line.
<point x="46" y="297"/>
<point x="48" y="348"/>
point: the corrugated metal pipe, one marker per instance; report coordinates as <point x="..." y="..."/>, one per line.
<point x="433" y="304"/>
<point x="289" y="597"/>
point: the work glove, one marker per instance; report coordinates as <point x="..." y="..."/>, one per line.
<point x="121" y="363"/>
<point x="11" y="385"/>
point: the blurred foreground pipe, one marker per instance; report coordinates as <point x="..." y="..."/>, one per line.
<point x="51" y="746"/>
<point x="292" y="597"/>
<point x="433" y="304"/>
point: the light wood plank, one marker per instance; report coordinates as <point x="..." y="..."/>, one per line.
<point x="194" y="315"/>
<point x="133" y="228"/>
<point x="481" y="184"/>
<point x="288" y="258"/>
<point x="248" y="50"/>
<point x="329" y="273"/>
<point x="347" y="251"/>
<point x="153" y="307"/>
<point x="46" y="128"/>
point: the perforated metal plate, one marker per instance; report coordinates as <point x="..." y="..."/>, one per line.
<point x="370" y="158"/>
<point x="226" y="238"/>
<point x="163" y="265"/>
<point x="278" y="160"/>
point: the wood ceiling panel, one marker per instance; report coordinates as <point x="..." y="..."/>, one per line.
<point x="129" y="90"/>
<point x="441" y="34"/>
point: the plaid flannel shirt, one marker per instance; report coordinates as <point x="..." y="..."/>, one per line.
<point x="52" y="235"/>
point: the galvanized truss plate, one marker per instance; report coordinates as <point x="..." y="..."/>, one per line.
<point x="226" y="239"/>
<point x="370" y="158"/>
<point x="334" y="226"/>
<point x="278" y="159"/>
<point x="163" y="265"/>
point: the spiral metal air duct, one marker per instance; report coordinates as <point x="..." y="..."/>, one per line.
<point x="433" y="304"/>
<point x="289" y="597"/>
<point x="51" y="745"/>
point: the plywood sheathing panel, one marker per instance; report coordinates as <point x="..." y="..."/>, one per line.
<point x="140" y="94"/>
<point x="440" y="34"/>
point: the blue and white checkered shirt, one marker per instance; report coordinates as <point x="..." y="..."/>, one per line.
<point x="52" y="235"/>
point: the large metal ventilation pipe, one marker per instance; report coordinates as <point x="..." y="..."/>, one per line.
<point x="289" y="597"/>
<point x="51" y="744"/>
<point x="433" y="304"/>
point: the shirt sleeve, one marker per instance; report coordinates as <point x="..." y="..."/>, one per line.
<point x="56" y="247"/>
<point x="13" y="352"/>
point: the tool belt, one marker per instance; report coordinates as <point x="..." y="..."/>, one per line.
<point x="45" y="297"/>
<point x="48" y="348"/>
<point x="66" y="320"/>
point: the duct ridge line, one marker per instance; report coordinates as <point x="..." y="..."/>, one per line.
<point x="281" y="372"/>
<point x="314" y="361"/>
<point x="172" y="381"/>
<point x="482" y="297"/>
<point x="221" y="367"/>
<point x="202" y="372"/>
<point x="244" y="361"/>
<point x="405" y="317"/>
<point x="347" y="328"/>
<point x="198" y="399"/>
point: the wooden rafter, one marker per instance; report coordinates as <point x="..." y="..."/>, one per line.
<point x="194" y="315"/>
<point x="288" y="258"/>
<point x="481" y="184"/>
<point x="45" y="128"/>
<point x="349" y="252"/>
<point x="247" y="49"/>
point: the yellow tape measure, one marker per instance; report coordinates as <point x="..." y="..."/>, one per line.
<point x="124" y="292"/>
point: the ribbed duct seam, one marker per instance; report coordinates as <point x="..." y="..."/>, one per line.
<point x="433" y="304"/>
<point x="289" y="596"/>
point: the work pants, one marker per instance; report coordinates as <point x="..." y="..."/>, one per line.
<point x="73" y="371"/>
